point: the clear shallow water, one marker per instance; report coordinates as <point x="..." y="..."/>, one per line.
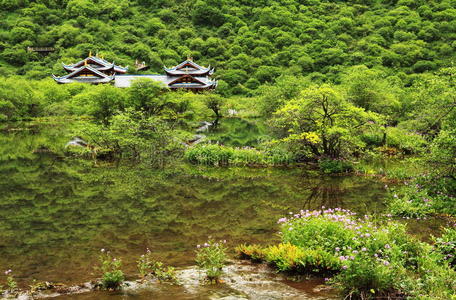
<point x="56" y="213"/>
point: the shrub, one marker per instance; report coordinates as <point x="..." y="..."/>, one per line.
<point x="365" y="278"/>
<point x="112" y="275"/>
<point x="211" y="258"/>
<point x="317" y="229"/>
<point x="331" y="166"/>
<point x="404" y="140"/>
<point x="446" y="246"/>
<point x="288" y="257"/>
<point x="252" y="252"/>
<point x="423" y="196"/>
<point x="370" y="259"/>
<point x="147" y="265"/>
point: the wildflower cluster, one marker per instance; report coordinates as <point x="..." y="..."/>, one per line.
<point x="422" y="196"/>
<point x="446" y="246"/>
<point x="372" y="257"/>
<point x="211" y="257"/>
<point x="112" y="275"/>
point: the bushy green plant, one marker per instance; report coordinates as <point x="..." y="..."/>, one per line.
<point x="211" y="257"/>
<point x="252" y="252"/>
<point x="148" y="265"/>
<point x="288" y="257"/>
<point x="446" y="246"/>
<point x="366" y="278"/>
<point x="314" y="229"/>
<point x="11" y="283"/>
<point x="373" y="259"/>
<point x="406" y="141"/>
<point x="285" y="257"/>
<point x="112" y="275"/>
<point x="409" y="205"/>
<point x="422" y="196"/>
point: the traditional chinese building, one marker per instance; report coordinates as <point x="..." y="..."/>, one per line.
<point x="186" y="75"/>
<point x="92" y="69"/>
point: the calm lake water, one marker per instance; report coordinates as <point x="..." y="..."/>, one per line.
<point x="56" y="213"/>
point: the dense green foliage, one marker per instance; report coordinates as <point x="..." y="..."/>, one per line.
<point x="367" y="259"/>
<point x="446" y="245"/>
<point x="301" y="80"/>
<point x="249" y="42"/>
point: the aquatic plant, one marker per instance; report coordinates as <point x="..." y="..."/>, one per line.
<point x="10" y="281"/>
<point x="211" y="257"/>
<point x="163" y="273"/>
<point x="144" y="264"/>
<point x="112" y="275"/>
<point x="368" y="258"/>
<point x="148" y="266"/>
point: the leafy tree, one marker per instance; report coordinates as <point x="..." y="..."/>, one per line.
<point x="323" y="123"/>
<point x="147" y="95"/>
<point x="273" y="96"/>
<point x="207" y="14"/>
<point x="215" y="103"/>
<point x="101" y="102"/>
<point x="135" y="136"/>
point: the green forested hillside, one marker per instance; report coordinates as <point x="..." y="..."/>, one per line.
<point x="250" y="42"/>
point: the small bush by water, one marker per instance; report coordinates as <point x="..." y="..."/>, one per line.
<point x="211" y="258"/>
<point x="112" y="275"/>
<point x="147" y="265"/>
<point x="423" y="196"/>
<point x="446" y="246"/>
<point x="368" y="259"/>
<point x="11" y="285"/>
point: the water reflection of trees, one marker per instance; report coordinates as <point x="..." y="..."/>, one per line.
<point x="55" y="214"/>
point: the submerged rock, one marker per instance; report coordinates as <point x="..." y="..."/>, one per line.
<point x="204" y="126"/>
<point x="198" y="138"/>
